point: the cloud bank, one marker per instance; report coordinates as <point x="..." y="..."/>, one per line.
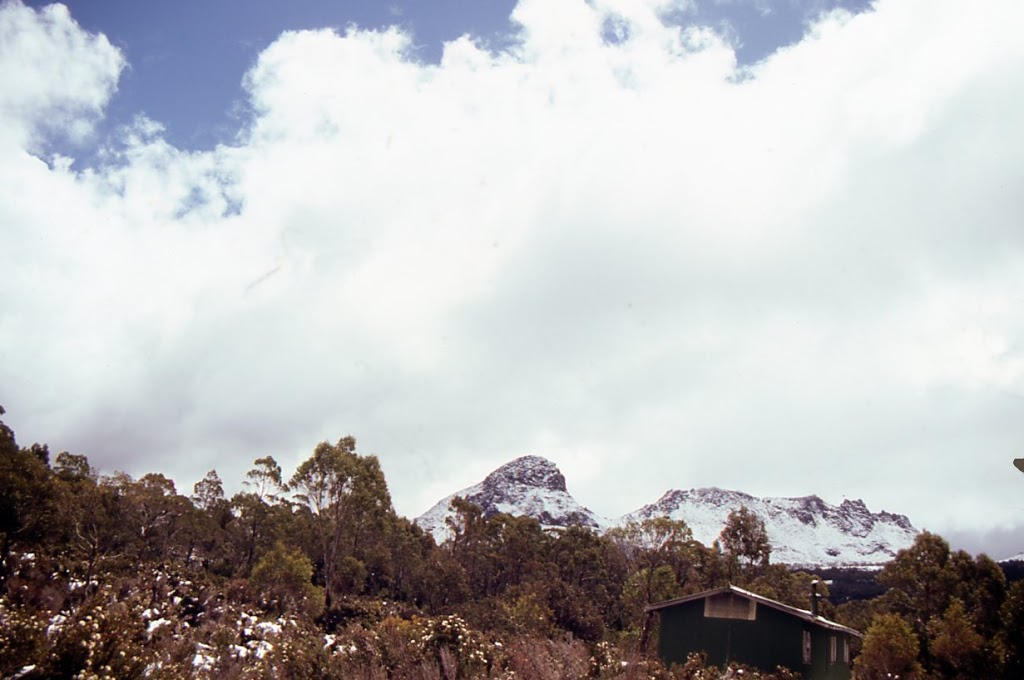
<point x="607" y="244"/>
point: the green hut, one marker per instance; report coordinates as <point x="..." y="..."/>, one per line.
<point x="732" y="625"/>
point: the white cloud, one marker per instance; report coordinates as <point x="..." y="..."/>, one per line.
<point x="798" y="278"/>
<point x="55" y="76"/>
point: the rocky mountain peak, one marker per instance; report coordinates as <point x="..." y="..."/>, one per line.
<point x="530" y="486"/>
<point x="527" y="471"/>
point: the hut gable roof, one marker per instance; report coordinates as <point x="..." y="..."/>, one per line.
<point x="793" y="611"/>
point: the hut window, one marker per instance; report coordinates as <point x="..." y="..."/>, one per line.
<point x="729" y="606"/>
<point x="832" y="655"/>
<point x="807" y="646"/>
<point x="846" y="651"/>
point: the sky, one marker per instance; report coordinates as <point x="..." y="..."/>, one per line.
<point x="767" y="246"/>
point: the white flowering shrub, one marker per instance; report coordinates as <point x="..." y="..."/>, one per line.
<point x="455" y="646"/>
<point x="104" y="638"/>
<point x="22" y="638"/>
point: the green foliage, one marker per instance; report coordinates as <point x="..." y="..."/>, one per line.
<point x="260" y="514"/>
<point x="662" y="561"/>
<point x="575" y="612"/>
<point x="98" y="530"/>
<point x="347" y="506"/>
<point x="27" y="502"/>
<point x="921" y="575"/>
<point x="981" y="586"/>
<point x="498" y="552"/>
<point x="469" y="545"/>
<point x="648" y="586"/>
<point x="955" y="644"/>
<point x="591" y="572"/>
<point x="890" y="650"/>
<point x="661" y="551"/>
<point x="744" y="541"/>
<point x="208" y="492"/>
<point x="654" y="541"/>
<point x="410" y="552"/>
<point x="526" y="613"/>
<point x="70" y="467"/>
<point x="857" y="614"/>
<point x="793" y="588"/>
<point x="1011" y="635"/>
<point x="284" y="580"/>
<point x="265" y="478"/>
<point x="952" y="602"/>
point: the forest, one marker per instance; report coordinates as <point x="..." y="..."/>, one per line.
<point x="313" y="575"/>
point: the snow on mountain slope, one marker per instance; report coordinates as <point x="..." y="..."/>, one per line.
<point x="530" y="486"/>
<point x="802" y="531"/>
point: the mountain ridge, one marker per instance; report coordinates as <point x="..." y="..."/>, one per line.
<point x="528" y="485"/>
<point x="804" y="530"/>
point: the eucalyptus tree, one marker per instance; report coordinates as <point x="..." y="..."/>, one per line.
<point x="255" y="508"/>
<point x="26" y="492"/>
<point x="657" y="547"/>
<point x="744" y="540"/>
<point x="652" y="544"/>
<point x="346" y="501"/>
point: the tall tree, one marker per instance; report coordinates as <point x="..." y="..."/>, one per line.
<point x="517" y="547"/>
<point x="592" y="566"/>
<point x="97" y="527"/>
<point x="744" y="540"/>
<point x="468" y="544"/>
<point x="657" y="547"/>
<point x="210" y="524"/>
<point x="159" y="514"/>
<point x="652" y="543"/>
<point x="981" y="586"/>
<point x="264" y="480"/>
<point x="920" y="581"/>
<point x="346" y="497"/>
<point x="409" y="549"/>
<point x="208" y="493"/>
<point x="255" y="508"/>
<point x="26" y="492"/>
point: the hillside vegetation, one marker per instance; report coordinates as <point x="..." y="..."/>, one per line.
<point x="314" y="575"/>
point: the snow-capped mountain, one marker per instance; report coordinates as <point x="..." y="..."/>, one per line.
<point x="530" y="485"/>
<point x="802" y="531"/>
